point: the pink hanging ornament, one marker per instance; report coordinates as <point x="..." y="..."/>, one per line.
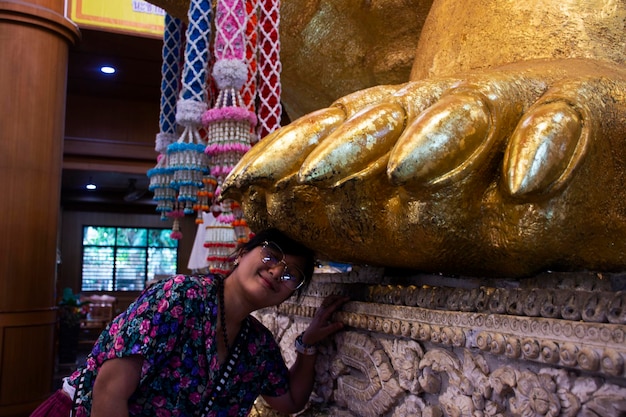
<point x="176" y="214"/>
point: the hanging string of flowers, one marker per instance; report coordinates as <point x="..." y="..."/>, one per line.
<point x="242" y="231"/>
<point x="229" y="130"/>
<point x="161" y="175"/>
<point x="186" y="156"/>
<point x="176" y="214"/>
<point x="229" y="123"/>
<point x="219" y="241"/>
<point x="205" y="197"/>
<point x="246" y="71"/>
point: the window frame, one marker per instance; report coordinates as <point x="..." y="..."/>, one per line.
<point x="113" y="282"/>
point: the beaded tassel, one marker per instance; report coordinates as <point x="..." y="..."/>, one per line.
<point x="229" y="124"/>
<point x="220" y="242"/>
<point x="228" y="128"/>
<point x="186" y="157"/>
<point x="176" y="214"/>
<point x="205" y="196"/>
<point x="161" y="186"/>
<point x="161" y="175"/>
<point x="242" y="231"/>
<point x="189" y="165"/>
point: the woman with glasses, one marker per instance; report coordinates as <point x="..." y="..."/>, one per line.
<point x="188" y="346"/>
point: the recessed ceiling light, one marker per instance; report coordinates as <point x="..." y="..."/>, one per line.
<point x="107" y="69"/>
<point x="90" y="185"/>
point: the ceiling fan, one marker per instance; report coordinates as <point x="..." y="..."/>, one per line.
<point x="133" y="193"/>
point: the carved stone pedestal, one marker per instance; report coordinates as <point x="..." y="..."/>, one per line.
<point x="428" y="345"/>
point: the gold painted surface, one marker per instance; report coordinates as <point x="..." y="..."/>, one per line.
<point x="511" y="160"/>
<point x="331" y="48"/>
<point x="470" y="34"/>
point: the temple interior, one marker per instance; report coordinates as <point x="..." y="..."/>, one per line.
<point x="456" y="165"/>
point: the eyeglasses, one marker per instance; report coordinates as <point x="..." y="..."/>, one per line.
<point x="272" y="255"/>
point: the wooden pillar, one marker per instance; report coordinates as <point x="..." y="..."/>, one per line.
<point x="34" y="43"/>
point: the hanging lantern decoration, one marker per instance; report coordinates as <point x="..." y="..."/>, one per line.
<point x="188" y="163"/>
<point x="246" y="73"/>
<point x="205" y="197"/>
<point x="186" y="156"/>
<point x="161" y="175"/>
<point x="242" y="231"/>
<point x="161" y="186"/>
<point x="176" y="214"/>
<point x="229" y="124"/>
<point x="220" y="243"/>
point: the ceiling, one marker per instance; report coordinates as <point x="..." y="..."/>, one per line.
<point x="114" y="190"/>
<point x="138" y="60"/>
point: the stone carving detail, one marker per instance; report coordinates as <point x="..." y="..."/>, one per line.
<point x="405" y="356"/>
<point x="410" y="405"/>
<point x="396" y="358"/>
<point x="588" y="306"/>
<point x="364" y="375"/>
<point x="575" y="345"/>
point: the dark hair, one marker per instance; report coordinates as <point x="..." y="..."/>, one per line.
<point x="289" y="247"/>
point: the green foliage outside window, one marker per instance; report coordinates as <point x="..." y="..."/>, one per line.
<point x="126" y="258"/>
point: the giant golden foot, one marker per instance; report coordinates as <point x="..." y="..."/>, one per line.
<point x="504" y="171"/>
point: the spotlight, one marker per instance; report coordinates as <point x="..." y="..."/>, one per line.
<point x="107" y="69"/>
<point x="90" y="185"/>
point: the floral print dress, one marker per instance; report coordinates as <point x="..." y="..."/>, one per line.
<point x="172" y="325"/>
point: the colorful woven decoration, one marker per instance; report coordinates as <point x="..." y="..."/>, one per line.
<point x="270" y="110"/>
<point x="176" y="214"/>
<point x="186" y="157"/>
<point x="242" y="231"/>
<point x="249" y="90"/>
<point x="220" y="242"/>
<point x="205" y="197"/>
<point x="246" y="71"/>
<point x="161" y="186"/>
<point x="228" y="129"/>
<point x="161" y="175"/>
<point x="229" y="124"/>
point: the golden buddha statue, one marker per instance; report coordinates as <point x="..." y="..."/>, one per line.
<point x="502" y="153"/>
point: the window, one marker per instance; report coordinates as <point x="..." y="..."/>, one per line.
<point x="125" y="258"/>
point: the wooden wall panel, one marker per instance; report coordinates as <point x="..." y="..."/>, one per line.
<point x="23" y="336"/>
<point x="35" y="43"/>
<point x="112" y="119"/>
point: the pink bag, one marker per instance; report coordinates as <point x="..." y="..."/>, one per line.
<point x="58" y="404"/>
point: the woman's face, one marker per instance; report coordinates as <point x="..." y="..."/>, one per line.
<point x="269" y="276"/>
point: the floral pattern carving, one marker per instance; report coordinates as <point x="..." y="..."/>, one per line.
<point x="499" y="352"/>
<point x="364" y="375"/>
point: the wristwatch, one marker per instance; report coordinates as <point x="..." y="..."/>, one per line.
<point x="303" y="348"/>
